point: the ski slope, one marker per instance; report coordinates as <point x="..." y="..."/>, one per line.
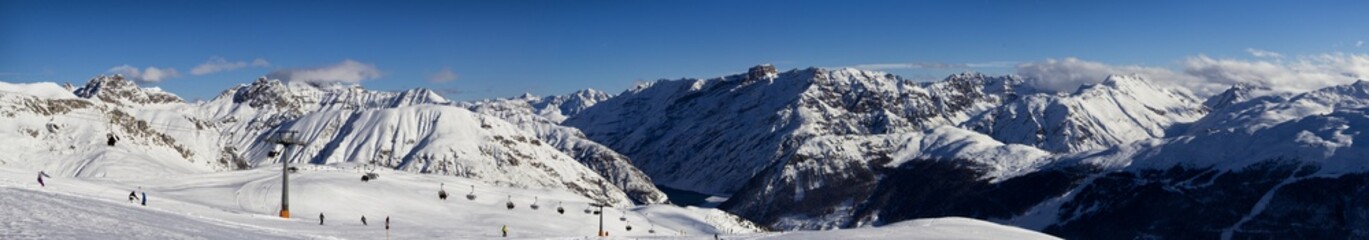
<point x="238" y="204"/>
<point x="243" y="205"/>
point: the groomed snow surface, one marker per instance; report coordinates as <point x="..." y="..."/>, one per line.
<point x="243" y="204"/>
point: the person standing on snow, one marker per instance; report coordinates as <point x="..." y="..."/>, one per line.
<point x="363" y="220"/>
<point x="506" y="230"/>
<point x="320" y="218"/>
<point x="144" y="196"/>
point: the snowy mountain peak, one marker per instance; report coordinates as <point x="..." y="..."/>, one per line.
<point x="527" y="95"/>
<point x="1121" y="109"/>
<point x="1118" y="82"/>
<point x="1237" y="93"/>
<point x="119" y="90"/>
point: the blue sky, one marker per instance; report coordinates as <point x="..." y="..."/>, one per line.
<point x="504" y="48"/>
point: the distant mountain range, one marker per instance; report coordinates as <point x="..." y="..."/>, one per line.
<point x="799" y="149"/>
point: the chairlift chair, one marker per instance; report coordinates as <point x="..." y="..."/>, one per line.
<point x="471" y="196"/>
<point x="534" y="203"/>
<point x="510" y="203"/>
<point x="442" y="191"/>
<point x="560" y="209"/>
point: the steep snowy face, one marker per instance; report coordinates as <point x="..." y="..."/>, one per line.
<point x="111" y="128"/>
<point x="1263" y="112"/>
<point x="1269" y="167"/>
<point x="837" y="181"/>
<point x="118" y="90"/>
<point x="440" y="139"/>
<point x="615" y="167"/>
<point x="1119" y="110"/>
<point x="125" y="135"/>
<point x="415" y="130"/>
<point x="558" y="108"/>
<point x="1237" y="93"/>
<point x="713" y="135"/>
<point x="1315" y="128"/>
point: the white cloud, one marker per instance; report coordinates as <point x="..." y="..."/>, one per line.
<point x="1204" y="75"/>
<point x="444" y="76"/>
<point x="151" y="74"/>
<point x="1303" y="74"/>
<point x="1068" y="74"/>
<point x="218" y="64"/>
<point x="347" y="71"/>
<point x="1262" y="53"/>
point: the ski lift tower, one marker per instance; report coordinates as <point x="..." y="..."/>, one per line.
<point x="601" y="212"/>
<point x="288" y="138"/>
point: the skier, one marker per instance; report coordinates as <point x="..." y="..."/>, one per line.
<point x="144" y="196"/>
<point x="132" y="196"/>
<point x="363" y="220"/>
<point x="320" y="218"/>
<point x="387" y="223"/>
<point x="41" y="174"/>
<point x="506" y="230"/>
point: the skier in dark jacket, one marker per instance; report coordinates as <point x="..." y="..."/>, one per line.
<point x="363" y="220"/>
<point x="41" y="174"/>
<point x="132" y="196"/>
<point x="144" y="198"/>
<point x="320" y="218"/>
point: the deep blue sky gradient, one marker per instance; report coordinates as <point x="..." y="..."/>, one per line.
<point x="504" y="48"/>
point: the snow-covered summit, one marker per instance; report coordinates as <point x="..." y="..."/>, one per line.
<point x="119" y="90"/>
<point x="1121" y="109"/>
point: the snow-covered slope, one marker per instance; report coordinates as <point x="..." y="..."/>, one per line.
<point x="243" y="204"/>
<point x="71" y="136"/>
<point x="415" y="130"/>
<point x="617" y="168"/>
<point x="713" y="135"/>
<point x="1119" y="110"/>
<point x="837" y="181"/>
